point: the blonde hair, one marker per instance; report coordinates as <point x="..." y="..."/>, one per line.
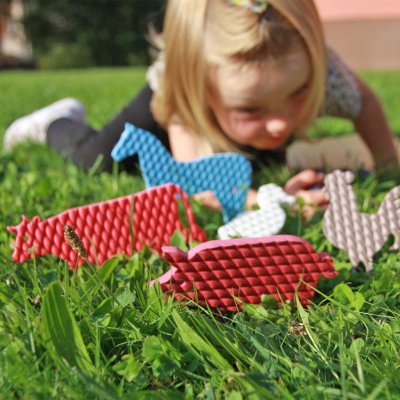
<point x="200" y="35"/>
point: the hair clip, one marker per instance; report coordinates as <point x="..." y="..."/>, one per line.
<point x="256" y="6"/>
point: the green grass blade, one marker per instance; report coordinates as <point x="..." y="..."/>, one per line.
<point x="61" y="329"/>
<point x="198" y="345"/>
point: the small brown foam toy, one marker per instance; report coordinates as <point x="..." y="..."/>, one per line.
<point x="360" y="235"/>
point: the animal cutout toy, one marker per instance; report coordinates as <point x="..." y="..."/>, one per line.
<point x="105" y="227"/>
<point x="360" y="235"/>
<point x="266" y="221"/>
<point x="228" y="175"/>
<point x="224" y="273"/>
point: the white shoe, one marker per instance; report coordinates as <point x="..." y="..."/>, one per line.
<point x="34" y="126"/>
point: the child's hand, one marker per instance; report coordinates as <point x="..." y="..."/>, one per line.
<point x="208" y="199"/>
<point x="251" y="200"/>
<point x="303" y="185"/>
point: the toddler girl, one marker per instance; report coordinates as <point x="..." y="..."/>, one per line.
<point x="232" y="75"/>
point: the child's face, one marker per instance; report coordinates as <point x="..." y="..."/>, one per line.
<point x="260" y="106"/>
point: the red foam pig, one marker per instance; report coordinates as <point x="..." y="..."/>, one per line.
<point x="224" y="273"/>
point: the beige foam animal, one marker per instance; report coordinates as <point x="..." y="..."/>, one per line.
<point x="360" y="235"/>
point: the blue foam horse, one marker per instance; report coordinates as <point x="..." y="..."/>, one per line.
<point x="228" y="175"/>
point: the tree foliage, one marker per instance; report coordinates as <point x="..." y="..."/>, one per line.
<point x="112" y="32"/>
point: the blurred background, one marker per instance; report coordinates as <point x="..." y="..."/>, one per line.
<point x="53" y="34"/>
<point x="366" y="33"/>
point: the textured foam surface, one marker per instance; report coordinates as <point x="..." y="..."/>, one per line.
<point x="228" y="175"/>
<point x="105" y="227"/>
<point x="224" y="273"/>
<point x="360" y="235"/>
<point x="266" y="221"/>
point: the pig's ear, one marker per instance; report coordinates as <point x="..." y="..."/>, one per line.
<point x="173" y="254"/>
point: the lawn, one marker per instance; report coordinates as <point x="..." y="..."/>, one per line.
<point x="104" y="334"/>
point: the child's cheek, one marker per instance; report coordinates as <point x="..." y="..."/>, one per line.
<point x="247" y="128"/>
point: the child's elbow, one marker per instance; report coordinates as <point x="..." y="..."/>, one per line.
<point x="369" y="100"/>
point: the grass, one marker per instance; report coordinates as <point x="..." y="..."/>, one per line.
<point x="106" y="335"/>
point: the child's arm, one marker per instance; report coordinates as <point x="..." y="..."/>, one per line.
<point x="373" y="127"/>
<point x="184" y="148"/>
<point x="347" y="96"/>
<point x="182" y="142"/>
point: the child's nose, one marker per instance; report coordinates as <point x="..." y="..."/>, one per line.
<point x="276" y="126"/>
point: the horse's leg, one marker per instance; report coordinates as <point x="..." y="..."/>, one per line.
<point x="395" y="245"/>
<point x="226" y="212"/>
<point x="368" y="264"/>
<point x="355" y="258"/>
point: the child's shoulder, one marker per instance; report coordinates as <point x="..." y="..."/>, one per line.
<point x="342" y="93"/>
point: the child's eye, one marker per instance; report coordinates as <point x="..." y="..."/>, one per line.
<point x="300" y="90"/>
<point x="248" y="110"/>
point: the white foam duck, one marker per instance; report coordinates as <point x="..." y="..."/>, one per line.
<point x="266" y="221"/>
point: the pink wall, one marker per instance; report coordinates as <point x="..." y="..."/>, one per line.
<point x="346" y="10"/>
<point x="366" y="33"/>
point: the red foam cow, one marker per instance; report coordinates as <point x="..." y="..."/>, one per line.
<point x="106" y="228"/>
<point x="224" y="273"/>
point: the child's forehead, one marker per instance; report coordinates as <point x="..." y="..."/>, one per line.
<point x="254" y="82"/>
